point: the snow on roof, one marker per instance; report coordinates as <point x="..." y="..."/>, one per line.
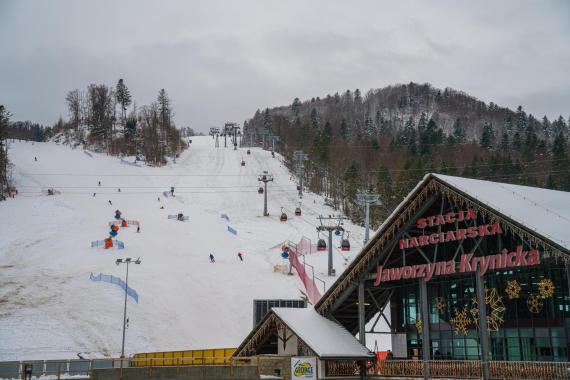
<point x="545" y="211"/>
<point x="324" y="337"/>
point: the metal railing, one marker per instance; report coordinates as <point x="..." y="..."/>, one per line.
<point x="62" y="369"/>
<point x="455" y="369"/>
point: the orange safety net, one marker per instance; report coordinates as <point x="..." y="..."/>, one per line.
<point x="381" y="355"/>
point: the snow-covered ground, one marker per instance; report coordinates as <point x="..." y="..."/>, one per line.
<point x="50" y="309"/>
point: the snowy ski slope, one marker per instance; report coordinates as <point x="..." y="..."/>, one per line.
<point x="50" y="309"/>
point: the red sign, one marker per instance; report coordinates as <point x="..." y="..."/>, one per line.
<point x="451" y="235"/>
<point x="467" y="263"/>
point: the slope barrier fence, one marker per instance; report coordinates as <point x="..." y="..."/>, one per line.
<point x="117" y="281"/>
<point x="309" y="283"/>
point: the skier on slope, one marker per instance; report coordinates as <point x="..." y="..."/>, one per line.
<point x="212" y="260"/>
<point x="240" y="255"/>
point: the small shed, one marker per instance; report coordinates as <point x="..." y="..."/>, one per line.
<point x="286" y="334"/>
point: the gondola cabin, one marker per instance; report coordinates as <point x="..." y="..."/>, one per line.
<point x="298" y="211"/>
<point x="283" y="217"/>
<point x="242" y="163"/>
<point x="321" y="245"/>
<point x="260" y="190"/>
<point x="248" y="151"/>
<point x="345" y="245"/>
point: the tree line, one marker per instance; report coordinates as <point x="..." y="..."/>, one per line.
<point x="106" y="119"/>
<point x="4" y="164"/>
<point x="386" y="140"/>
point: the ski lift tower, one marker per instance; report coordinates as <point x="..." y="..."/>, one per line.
<point x="330" y="224"/>
<point x="233" y="129"/>
<point x="367" y="199"/>
<point x="300" y="158"/>
<point x="215" y="133"/>
<point x="265" y="177"/>
<point x="273" y="139"/>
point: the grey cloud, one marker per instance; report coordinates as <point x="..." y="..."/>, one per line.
<point x="221" y="60"/>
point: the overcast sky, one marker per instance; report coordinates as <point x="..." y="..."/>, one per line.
<point x="222" y="60"/>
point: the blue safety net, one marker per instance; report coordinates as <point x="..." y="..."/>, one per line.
<point x="117" y="281"/>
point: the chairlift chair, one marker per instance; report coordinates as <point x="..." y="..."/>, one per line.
<point x="283" y="217"/>
<point x="345" y="243"/>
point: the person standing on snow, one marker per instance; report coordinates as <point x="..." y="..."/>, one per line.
<point x="172" y="190"/>
<point x="240" y="256"/>
<point x="212" y="260"/>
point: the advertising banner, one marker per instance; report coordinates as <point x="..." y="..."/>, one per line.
<point x="304" y="368"/>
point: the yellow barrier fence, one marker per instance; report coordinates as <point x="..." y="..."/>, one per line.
<point x="210" y="356"/>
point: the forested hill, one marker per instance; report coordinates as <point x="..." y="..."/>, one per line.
<point x="387" y="139"/>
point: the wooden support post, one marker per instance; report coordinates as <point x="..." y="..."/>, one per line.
<point x="361" y="314"/>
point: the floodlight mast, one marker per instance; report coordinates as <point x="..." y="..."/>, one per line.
<point x="127" y="261"/>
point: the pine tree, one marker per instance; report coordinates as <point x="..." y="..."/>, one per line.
<point x="517" y="141"/>
<point x="344" y="129"/>
<point x="504" y="144"/>
<point x="384" y="188"/>
<point x="357" y="96"/>
<point x="296" y="107"/>
<point x="508" y="124"/>
<point x="323" y="142"/>
<point x="314" y="119"/>
<point x="458" y="132"/>
<point x="521" y="120"/>
<point x="530" y="142"/>
<point x="488" y="136"/>
<point x="378" y="121"/>
<point x="369" y="126"/>
<point x="164" y="123"/>
<point x="561" y="176"/>
<point x="546" y="127"/>
<point x="123" y="96"/>
<point x="267" y="121"/>
<point x="352" y="179"/>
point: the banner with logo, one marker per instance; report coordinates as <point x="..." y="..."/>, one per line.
<point x="304" y="368"/>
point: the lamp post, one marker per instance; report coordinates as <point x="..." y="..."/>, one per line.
<point x="127" y="261"/>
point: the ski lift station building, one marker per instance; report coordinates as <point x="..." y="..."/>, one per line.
<point x="471" y="276"/>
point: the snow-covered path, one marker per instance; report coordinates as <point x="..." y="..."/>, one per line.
<point x="50" y="309"/>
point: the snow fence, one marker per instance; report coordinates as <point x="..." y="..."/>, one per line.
<point x="117" y="281"/>
<point x="310" y="286"/>
<point x="101" y="243"/>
